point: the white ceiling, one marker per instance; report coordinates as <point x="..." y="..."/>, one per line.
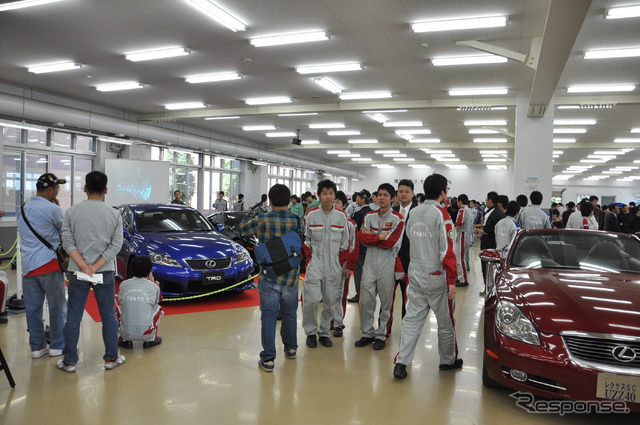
<point x="375" y="33"/>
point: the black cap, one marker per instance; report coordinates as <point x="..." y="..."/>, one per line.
<point x="48" y="180"/>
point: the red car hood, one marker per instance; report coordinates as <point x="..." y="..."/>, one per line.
<point x="575" y="300"/>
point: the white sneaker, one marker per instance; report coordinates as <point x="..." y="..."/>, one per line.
<point x="39" y="353"/>
<point x="69" y="368"/>
<point x="112" y="364"/>
<point x="54" y="353"/>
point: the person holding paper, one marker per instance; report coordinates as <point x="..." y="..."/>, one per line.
<point x="92" y="235"/>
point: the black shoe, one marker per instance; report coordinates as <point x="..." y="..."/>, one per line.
<point x="364" y="341"/>
<point x="378" y="344"/>
<point x="311" y="341"/>
<point x="325" y="341"/>
<point x="462" y="284"/>
<point x="400" y="371"/>
<point x="337" y="332"/>
<point x="149" y="344"/>
<point x="482" y="293"/>
<point x="456" y="365"/>
<point x="3" y="320"/>
<point x="353" y="299"/>
<point x="125" y="344"/>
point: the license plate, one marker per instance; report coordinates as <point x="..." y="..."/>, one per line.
<point x="618" y="387"/>
<point x="212" y="278"/>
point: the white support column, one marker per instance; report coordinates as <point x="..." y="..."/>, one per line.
<point x="533" y="168"/>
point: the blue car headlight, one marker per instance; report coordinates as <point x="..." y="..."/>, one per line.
<point x="242" y="256"/>
<point x="163" y="259"/>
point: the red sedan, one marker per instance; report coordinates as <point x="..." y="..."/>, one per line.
<point x="562" y="316"/>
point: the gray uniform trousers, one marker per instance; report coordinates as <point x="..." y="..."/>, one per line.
<point x="377" y="279"/>
<point x="428" y="293"/>
<point x="326" y="287"/>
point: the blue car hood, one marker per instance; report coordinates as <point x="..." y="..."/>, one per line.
<point x="191" y="245"/>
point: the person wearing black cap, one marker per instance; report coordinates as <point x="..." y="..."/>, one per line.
<point x="42" y="277"/>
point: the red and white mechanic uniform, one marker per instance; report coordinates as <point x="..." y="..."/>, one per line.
<point x="465" y="221"/>
<point x="431" y="270"/>
<point x="378" y="277"/>
<point x="327" y="236"/>
<point x="352" y="258"/>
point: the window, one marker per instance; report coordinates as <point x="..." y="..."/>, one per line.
<point x="11" y="173"/>
<point x="37" y="139"/>
<point x="61" y="167"/>
<point x="85" y="144"/>
<point x="10" y="135"/>
<point x="36" y="165"/>
<point x="81" y="169"/>
<point x="60" y="140"/>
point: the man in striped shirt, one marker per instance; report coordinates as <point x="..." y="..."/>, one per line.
<point x="280" y="293"/>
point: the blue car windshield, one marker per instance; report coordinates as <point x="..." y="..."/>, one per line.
<point x="579" y="250"/>
<point x="156" y="221"/>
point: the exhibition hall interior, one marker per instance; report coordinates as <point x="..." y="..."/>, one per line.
<point x="195" y="108"/>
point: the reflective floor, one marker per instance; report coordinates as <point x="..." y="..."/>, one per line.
<point x="206" y="371"/>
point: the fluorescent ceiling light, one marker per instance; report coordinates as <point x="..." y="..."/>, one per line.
<point x="349" y="155"/>
<point x="366" y="95"/>
<point x="569" y="130"/>
<point x="382" y="166"/>
<point x="327" y="125"/>
<point x="422" y="166"/>
<point x="338" y="152"/>
<point x="310" y="142"/>
<point x="344" y="133"/>
<point x="23" y="4"/>
<point x="635" y="130"/>
<point x="119" y="86"/>
<point x="460" y="24"/>
<point x="558" y="152"/>
<point x="402" y="124"/>
<point x="496" y="167"/>
<point x="277" y="40"/>
<point x="425" y="150"/>
<point x="157" y="54"/>
<point x="562" y="177"/>
<point x="497" y="152"/>
<point x="327" y="84"/>
<point x="592" y="161"/>
<point x="602" y="156"/>
<point x="231" y="117"/>
<point x="623" y="12"/>
<point x="24" y="126"/>
<point x="361" y="159"/>
<point x="208" y="78"/>
<point x="478" y="91"/>
<point x="601" y="89"/>
<point x="569" y="107"/>
<point x="564" y="140"/>
<point x="386" y="151"/>
<point x="575" y="122"/>
<point x="626" y="140"/>
<point x="258" y="128"/>
<point x="468" y="60"/>
<point x="395" y="155"/>
<point x="424" y="140"/>
<point x="482" y="131"/>
<point x="378" y="117"/>
<point x="185" y="105"/>
<point x="443" y="155"/>
<point x="117" y="140"/>
<point x="321" y="69"/>
<point x="282" y="134"/>
<point x="494" y="159"/>
<point x="447" y="159"/>
<point x="362" y="141"/>
<point x="388" y="111"/>
<point x="298" y="114"/>
<point x="614" y="152"/>
<point x="53" y="67"/>
<point x="259" y="163"/>
<point x="267" y="100"/>
<point x="612" y="53"/>
<point x="217" y="14"/>
<point x="414" y="131"/>
<point x="498" y="140"/>
<point x="472" y="123"/>
<point x="404" y="159"/>
<point x="499" y="108"/>
<point x="612" y="172"/>
<point x="456" y="166"/>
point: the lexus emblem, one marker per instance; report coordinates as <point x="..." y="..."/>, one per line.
<point x="624" y="353"/>
<point x="210" y="264"/>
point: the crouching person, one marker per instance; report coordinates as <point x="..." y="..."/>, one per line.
<point x="139" y="311"/>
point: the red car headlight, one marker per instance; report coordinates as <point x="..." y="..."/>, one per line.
<point x="512" y="322"/>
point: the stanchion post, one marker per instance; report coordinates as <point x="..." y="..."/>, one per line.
<point x="18" y="269"/>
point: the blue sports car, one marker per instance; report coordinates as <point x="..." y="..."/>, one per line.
<point x="189" y="257"/>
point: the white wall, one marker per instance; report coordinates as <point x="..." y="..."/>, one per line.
<point x="623" y="191"/>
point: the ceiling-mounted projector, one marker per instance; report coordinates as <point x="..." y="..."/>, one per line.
<point x="296" y="140"/>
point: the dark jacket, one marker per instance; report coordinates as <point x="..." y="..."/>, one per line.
<point x="489" y="240"/>
<point x="404" y="247"/>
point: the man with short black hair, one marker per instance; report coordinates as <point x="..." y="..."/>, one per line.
<point x="567" y="213"/>
<point x="612" y="223"/>
<point x="507" y="228"/>
<point x="380" y="232"/>
<point x="533" y="217"/>
<point x="373" y="203"/>
<point x="92" y="235"/>
<point x="42" y="277"/>
<point x="487" y="230"/>
<point x="280" y="293"/>
<point x="358" y="218"/>
<point x="464" y="225"/>
<point x="139" y="310"/>
<point x="597" y="212"/>
<point x="503" y="200"/>
<point x="522" y="200"/>
<point x="240" y="203"/>
<point x="432" y="277"/>
<point x="220" y="204"/>
<point x="327" y="238"/>
<point x="177" y="198"/>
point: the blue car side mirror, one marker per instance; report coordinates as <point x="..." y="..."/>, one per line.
<point x="219" y="227"/>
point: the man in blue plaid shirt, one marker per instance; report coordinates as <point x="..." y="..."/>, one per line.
<point x="280" y="293"/>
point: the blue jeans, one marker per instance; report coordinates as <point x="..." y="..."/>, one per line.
<point x="274" y="298"/>
<point x="36" y="288"/>
<point x="105" y="297"/>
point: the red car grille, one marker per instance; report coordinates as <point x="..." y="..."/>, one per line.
<point x="209" y="264"/>
<point x="622" y="354"/>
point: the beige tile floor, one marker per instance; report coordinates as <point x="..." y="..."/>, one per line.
<point x="206" y="372"/>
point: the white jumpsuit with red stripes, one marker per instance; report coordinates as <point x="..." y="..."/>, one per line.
<point x="432" y="268"/>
